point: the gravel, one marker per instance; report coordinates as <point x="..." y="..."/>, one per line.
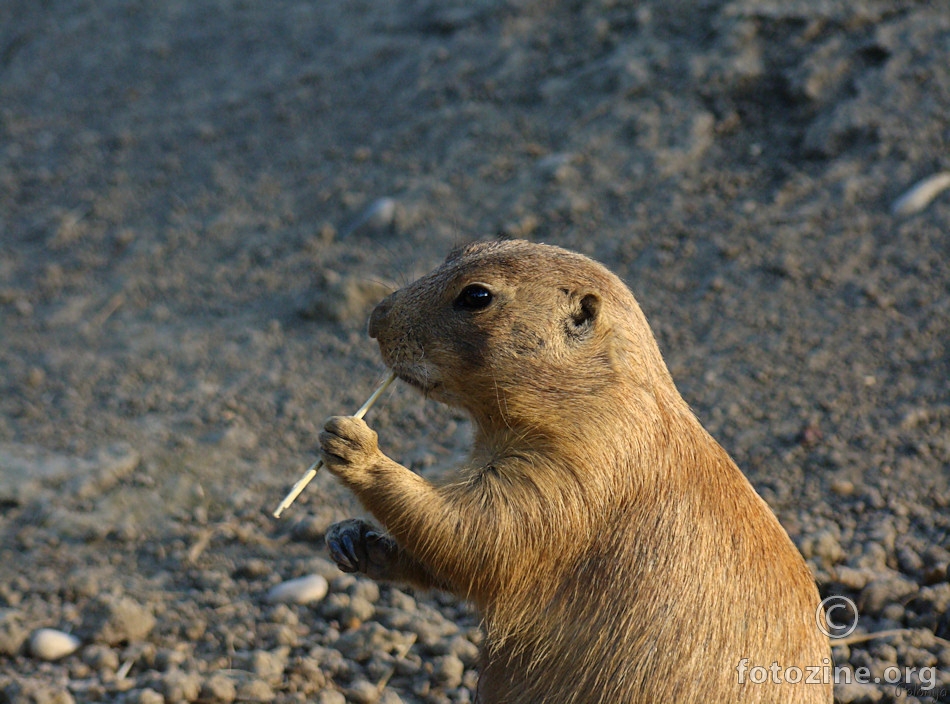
<point x="200" y="203"/>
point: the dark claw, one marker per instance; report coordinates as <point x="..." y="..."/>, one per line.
<point x="346" y="543"/>
<point x="340" y="544"/>
<point x="342" y="560"/>
<point x="358" y="546"/>
<point x="347" y="539"/>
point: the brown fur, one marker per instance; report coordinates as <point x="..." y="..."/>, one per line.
<point x="615" y="551"/>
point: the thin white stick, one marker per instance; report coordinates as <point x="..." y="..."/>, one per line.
<point x="312" y="471"/>
<point x="920" y="195"/>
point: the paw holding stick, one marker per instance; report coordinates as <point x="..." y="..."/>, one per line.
<point x="312" y="470"/>
<point x="350" y="448"/>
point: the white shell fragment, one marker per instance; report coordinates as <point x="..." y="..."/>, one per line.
<point x="50" y="644"/>
<point x="302" y="590"/>
<point x="920" y="195"/>
<point x="378" y="216"/>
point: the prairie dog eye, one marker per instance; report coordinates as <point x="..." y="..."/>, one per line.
<point x="473" y="297"/>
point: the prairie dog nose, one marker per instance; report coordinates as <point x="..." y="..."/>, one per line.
<point x="378" y="317"/>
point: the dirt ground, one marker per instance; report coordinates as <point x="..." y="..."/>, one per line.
<point x="201" y="201"/>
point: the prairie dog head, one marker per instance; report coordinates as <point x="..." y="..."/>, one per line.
<point x="512" y="331"/>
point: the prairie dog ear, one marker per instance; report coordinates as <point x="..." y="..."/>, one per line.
<point x="584" y="310"/>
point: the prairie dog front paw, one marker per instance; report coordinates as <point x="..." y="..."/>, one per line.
<point x="349" y="447"/>
<point x="358" y="546"/>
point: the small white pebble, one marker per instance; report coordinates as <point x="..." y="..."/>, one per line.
<point x="302" y="590"/>
<point x="378" y="216"/>
<point x="363" y="692"/>
<point x="50" y="644"/>
<point x="842" y="487"/>
<point x="920" y="195"/>
<point x="380" y="213"/>
<point x="330" y="696"/>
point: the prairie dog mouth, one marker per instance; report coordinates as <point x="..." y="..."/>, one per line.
<point x="418" y="376"/>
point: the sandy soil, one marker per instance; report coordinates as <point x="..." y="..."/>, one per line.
<point x="201" y="201"/>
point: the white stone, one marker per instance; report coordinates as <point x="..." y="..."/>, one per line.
<point x="50" y="644"/>
<point x="302" y="590"/>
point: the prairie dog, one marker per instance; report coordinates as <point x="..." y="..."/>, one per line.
<point x="614" y="550"/>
